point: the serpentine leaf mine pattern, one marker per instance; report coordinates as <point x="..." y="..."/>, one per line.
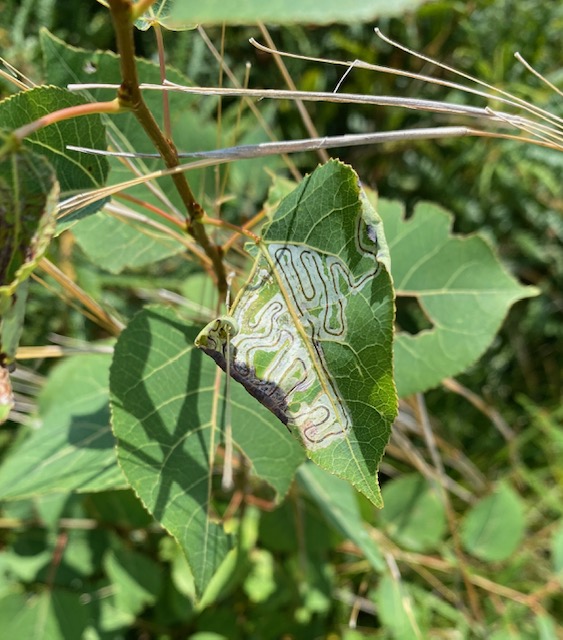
<point x="295" y="304"/>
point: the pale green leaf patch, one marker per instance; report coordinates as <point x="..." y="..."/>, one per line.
<point x="460" y="285"/>
<point x="494" y="527"/>
<point x="178" y="15"/>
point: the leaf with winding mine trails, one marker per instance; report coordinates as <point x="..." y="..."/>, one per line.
<point x="311" y="331"/>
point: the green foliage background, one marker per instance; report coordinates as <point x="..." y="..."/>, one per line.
<point x="305" y="568"/>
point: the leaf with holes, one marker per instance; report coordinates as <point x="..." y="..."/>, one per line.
<point x="311" y="331"/>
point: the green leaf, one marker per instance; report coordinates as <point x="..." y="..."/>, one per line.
<point x="28" y="197"/>
<point x="50" y="615"/>
<point x="184" y="15"/>
<point x="414" y="513"/>
<point x="237" y="563"/>
<point x="26" y="561"/>
<point x="116" y="245"/>
<point x="168" y="415"/>
<point x="201" y="295"/>
<point x="49" y="509"/>
<point x="136" y="579"/>
<point x="75" y="171"/>
<point x="311" y="331"/>
<point x="121" y="509"/>
<point x="494" y="527"/>
<point x="460" y="285"/>
<point x="182" y="576"/>
<point x="396" y="610"/>
<point x="338" y="503"/>
<point x="73" y="449"/>
<point x="261" y="581"/>
<point x="547" y="627"/>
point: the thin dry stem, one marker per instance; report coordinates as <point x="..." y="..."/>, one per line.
<point x="104" y="319"/>
<point x="507" y="97"/>
<point x="166" y="124"/>
<point x="305" y="117"/>
<point x="531" y="69"/>
<point x="450" y="515"/>
<point x="56" y="351"/>
<point x="260" y="119"/>
<point x="15" y="77"/>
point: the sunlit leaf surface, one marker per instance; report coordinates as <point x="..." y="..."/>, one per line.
<point x="174" y="14"/>
<point x="311" y="331"/>
<point x="462" y="289"/>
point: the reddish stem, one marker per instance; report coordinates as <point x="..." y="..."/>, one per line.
<point x="150" y="207"/>
<point x="90" y="108"/>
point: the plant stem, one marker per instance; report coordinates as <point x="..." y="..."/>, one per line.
<point x="165" y="97"/>
<point x="215" y="222"/>
<point x="130" y="97"/>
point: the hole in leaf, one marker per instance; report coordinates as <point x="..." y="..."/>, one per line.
<point x="410" y="316"/>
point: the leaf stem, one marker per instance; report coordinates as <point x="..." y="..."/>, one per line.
<point x="123" y="13"/>
<point x="162" y="65"/>
<point x="244" y="229"/>
<point x="112" y="106"/>
<point x="151" y="207"/>
<point x="216" y="222"/>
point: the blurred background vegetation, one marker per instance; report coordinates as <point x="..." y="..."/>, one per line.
<point x="508" y="191"/>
